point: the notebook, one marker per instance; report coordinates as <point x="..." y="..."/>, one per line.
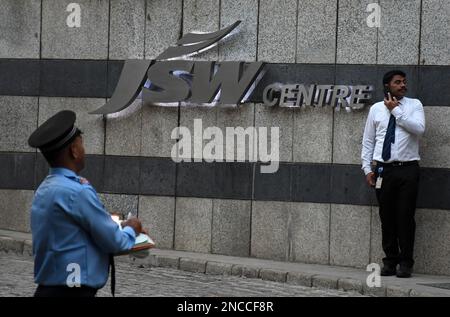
<point x="143" y="241"/>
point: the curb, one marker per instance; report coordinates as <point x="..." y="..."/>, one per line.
<point x="294" y="278"/>
<point x="10" y="245"/>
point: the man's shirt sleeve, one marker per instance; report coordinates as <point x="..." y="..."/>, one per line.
<point x="106" y="234"/>
<point x="413" y="123"/>
<point x="368" y="143"/>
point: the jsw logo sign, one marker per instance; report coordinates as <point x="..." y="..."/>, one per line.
<point x="166" y="80"/>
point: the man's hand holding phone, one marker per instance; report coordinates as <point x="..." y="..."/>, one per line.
<point x="390" y="102"/>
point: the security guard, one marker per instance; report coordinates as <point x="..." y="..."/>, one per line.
<point x="74" y="237"/>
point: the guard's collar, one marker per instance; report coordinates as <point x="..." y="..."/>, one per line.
<point x="62" y="171"/>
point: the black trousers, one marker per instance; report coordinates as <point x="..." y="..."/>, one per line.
<point x="397" y="201"/>
<point x="64" y="291"/>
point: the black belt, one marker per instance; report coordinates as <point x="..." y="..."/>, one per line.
<point x="397" y="163"/>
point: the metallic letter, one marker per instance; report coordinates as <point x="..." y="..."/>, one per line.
<point x="130" y="82"/>
<point x="232" y="80"/>
<point x="360" y="96"/>
<point x="289" y="95"/>
<point x="340" y="92"/>
<point x="193" y="43"/>
<point x="306" y="98"/>
<point x="271" y="95"/>
<point x="166" y="86"/>
<point x="323" y="92"/>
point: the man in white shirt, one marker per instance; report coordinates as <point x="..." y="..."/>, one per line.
<point x="390" y="155"/>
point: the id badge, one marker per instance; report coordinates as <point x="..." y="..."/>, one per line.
<point x="379" y="181"/>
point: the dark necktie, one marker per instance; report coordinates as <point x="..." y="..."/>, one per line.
<point x="389" y="139"/>
<point x="113" y="274"/>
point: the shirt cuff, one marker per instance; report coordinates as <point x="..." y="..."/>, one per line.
<point x="130" y="231"/>
<point x="367" y="170"/>
<point x="397" y="112"/>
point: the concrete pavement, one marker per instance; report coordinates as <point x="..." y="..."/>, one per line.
<point x="286" y="275"/>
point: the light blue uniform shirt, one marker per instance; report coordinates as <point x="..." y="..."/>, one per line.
<point x="69" y="225"/>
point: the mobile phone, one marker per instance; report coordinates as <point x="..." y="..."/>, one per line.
<point x="386" y="92"/>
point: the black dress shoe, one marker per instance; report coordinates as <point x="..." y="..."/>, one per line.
<point x="388" y="270"/>
<point x="404" y="271"/>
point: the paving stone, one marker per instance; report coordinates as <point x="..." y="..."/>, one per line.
<point x="193" y="265"/>
<point x="348" y="284"/>
<point x="168" y="261"/>
<point x="393" y="291"/>
<point x="273" y="275"/>
<point x="299" y="278"/>
<point x="374" y="291"/>
<point x="322" y="281"/>
<point x="217" y="268"/>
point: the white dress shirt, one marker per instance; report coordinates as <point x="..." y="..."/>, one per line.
<point x="410" y="125"/>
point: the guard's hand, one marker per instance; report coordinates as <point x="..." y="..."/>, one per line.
<point x="134" y="223"/>
<point x="390" y="102"/>
<point x="370" y="178"/>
